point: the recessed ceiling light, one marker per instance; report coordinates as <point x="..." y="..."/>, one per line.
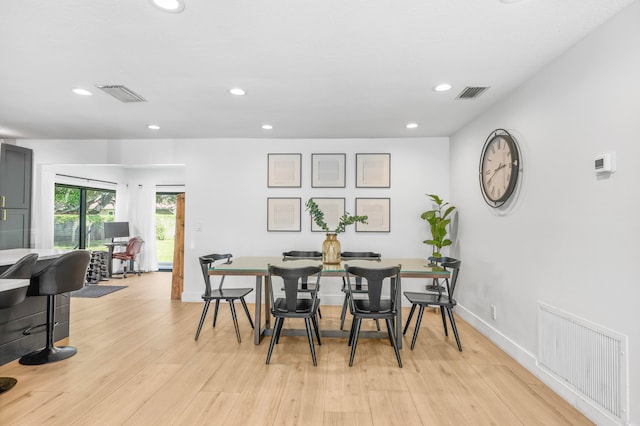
<point x="171" y="6"/>
<point x="237" y="91"/>
<point x="442" y="87"/>
<point x="83" y="92"/>
<point x="412" y="125"/>
<point x="153" y="127"/>
<point x="267" y="126"/>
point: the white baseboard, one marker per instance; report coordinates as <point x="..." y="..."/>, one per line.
<point x="530" y="362"/>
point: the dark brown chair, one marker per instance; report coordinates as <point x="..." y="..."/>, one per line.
<point x="441" y="296"/>
<point x="304" y="285"/>
<point x="374" y="306"/>
<point x="67" y="273"/>
<point x="20" y="270"/>
<point x="358" y="288"/>
<point x="129" y="255"/>
<point x="292" y="306"/>
<point x="228" y="294"/>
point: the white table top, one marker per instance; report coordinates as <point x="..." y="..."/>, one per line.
<point x="10" y="257"/>
<point x="10" y="284"/>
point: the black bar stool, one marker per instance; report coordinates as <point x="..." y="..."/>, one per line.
<point x="67" y="273"/>
<point x="20" y="270"/>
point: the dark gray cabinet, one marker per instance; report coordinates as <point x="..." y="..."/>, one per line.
<point x="16" y="164"/>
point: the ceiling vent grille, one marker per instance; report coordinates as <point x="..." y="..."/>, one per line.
<point x="472" y="92"/>
<point x="121" y="93"/>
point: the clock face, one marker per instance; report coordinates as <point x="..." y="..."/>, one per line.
<point x="499" y="166"/>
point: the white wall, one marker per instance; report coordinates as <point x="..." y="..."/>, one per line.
<point x="572" y="239"/>
<point x="227" y="197"/>
<point x="226" y="192"/>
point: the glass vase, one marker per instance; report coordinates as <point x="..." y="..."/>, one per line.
<point x="331" y="250"/>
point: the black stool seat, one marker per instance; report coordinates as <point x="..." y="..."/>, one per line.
<point x="67" y="273"/>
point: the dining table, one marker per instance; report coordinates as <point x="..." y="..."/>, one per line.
<point x="258" y="267"/>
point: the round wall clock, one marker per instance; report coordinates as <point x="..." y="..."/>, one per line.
<point x="499" y="167"/>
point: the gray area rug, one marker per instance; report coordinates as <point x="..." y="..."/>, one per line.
<point x="94" y="290"/>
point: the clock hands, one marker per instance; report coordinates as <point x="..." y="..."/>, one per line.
<point x="501" y="166"/>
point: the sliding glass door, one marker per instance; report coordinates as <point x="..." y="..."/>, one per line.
<point x="79" y="216"/>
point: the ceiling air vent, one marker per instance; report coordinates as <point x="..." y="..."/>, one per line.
<point x="472" y="92"/>
<point x="121" y="93"/>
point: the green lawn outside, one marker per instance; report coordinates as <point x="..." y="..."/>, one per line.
<point x="164" y="250"/>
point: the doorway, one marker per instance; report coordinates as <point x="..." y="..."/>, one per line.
<point x="166" y="203"/>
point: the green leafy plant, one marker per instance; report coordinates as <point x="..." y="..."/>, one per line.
<point x="346" y="219"/>
<point x="438" y="222"/>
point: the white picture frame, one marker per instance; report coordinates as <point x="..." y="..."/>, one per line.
<point x="373" y="170"/>
<point x="333" y="209"/>
<point x="378" y="211"/>
<point x="284" y="170"/>
<point x="283" y="214"/>
<point x="328" y="170"/>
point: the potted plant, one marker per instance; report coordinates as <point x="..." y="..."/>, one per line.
<point x="331" y="245"/>
<point x="438" y="221"/>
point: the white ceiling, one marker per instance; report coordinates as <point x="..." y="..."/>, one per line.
<point x="311" y="68"/>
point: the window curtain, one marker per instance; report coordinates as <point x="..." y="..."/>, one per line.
<point x="122" y="203"/>
<point x="42" y="231"/>
<point x="143" y="224"/>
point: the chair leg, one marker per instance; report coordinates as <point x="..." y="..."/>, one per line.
<point x="274" y="337"/>
<point x="307" y="323"/>
<point x="444" y="321"/>
<point x="319" y="313"/>
<point x="389" y="334"/>
<point x="215" y="313"/>
<point x="314" y="321"/>
<point x="406" y="326"/>
<point x="343" y="314"/>
<point x="354" y="343"/>
<point x="453" y="326"/>
<point x="390" y="327"/>
<point x="277" y="329"/>
<point x="418" y="322"/>
<point x="351" y="331"/>
<point x="204" y="314"/>
<point x="246" y="310"/>
<point x="50" y="353"/>
<point x="235" y="320"/>
<point x="377" y="324"/>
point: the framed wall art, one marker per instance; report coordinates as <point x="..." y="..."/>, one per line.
<point x="328" y="170"/>
<point x="333" y="209"/>
<point x="378" y="211"/>
<point x="373" y="170"/>
<point x="283" y="214"/>
<point x="283" y="170"/>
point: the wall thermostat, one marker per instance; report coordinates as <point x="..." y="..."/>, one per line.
<point x="605" y="163"/>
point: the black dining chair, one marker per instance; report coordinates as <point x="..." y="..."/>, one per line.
<point x="22" y="269"/>
<point x="359" y="287"/>
<point x="290" y="305"/>
<point x="374" y="306"/>
<point x="440" y="296"/>
<point x="228" y="294"/>
<point x="304" y="286"/>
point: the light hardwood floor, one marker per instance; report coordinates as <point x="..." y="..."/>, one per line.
<point x="138" y="364"/>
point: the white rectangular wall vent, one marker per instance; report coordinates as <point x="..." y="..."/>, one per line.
<point x="471" y="92"/>
<point x="121" y="93"/>
<point x="586" y="357"/>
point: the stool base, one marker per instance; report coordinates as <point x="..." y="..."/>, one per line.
<point x="7" y="383"/>
<point x="48" y="355"/>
